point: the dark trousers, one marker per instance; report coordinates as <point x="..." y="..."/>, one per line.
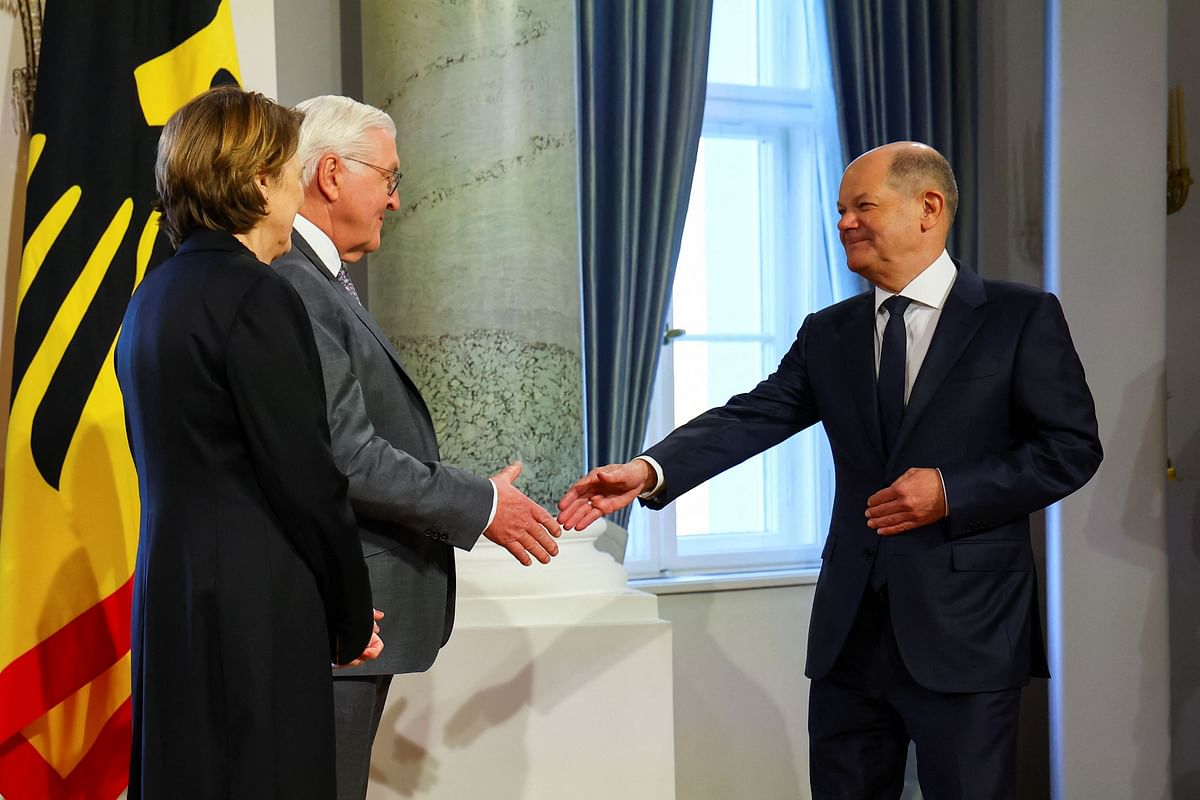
<point x="357" y="708"/>
<point x="862" y="716"/>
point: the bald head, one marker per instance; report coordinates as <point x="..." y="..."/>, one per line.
<point x="896" y="204"/>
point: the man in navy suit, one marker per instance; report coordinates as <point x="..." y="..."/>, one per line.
<point x="955" y="408"/>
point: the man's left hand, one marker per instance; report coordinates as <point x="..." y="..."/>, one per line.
<point x="915" y="499"/>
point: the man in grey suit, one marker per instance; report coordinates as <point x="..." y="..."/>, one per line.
<point x="412" y="510"/>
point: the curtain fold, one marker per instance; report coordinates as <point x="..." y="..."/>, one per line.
<point x="907" y="69"/>
<point x="642" y="78"/>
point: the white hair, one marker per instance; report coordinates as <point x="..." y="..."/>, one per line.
<point x="338" y="125"/>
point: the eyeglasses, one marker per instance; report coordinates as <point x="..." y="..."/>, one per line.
<point x="393" y="175"/>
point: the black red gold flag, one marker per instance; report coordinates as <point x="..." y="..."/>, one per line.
<point x="109" y="74"/>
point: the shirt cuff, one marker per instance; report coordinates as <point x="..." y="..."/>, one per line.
<point x="658" y="473"/>
<point x="495" y="502"/>
<point x="945" y="497"/>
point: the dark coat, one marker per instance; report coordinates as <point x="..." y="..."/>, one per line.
<point x="249" y="577"/>
<point x="1000" y="405"/>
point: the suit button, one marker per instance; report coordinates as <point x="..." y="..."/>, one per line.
<point x="868" y="553"/>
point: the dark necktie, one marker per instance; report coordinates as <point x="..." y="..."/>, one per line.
<point x="890" y="385"/>
<point x="343" y="278"/>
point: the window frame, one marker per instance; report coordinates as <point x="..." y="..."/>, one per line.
<point x="789" y="118"/>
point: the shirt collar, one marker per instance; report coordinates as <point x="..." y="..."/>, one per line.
<point x="930" y="288"/>
<point x="321" y="244"/>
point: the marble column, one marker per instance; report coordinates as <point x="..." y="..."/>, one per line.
<point x="557" y="679"/>
<point x="477" y="281"/>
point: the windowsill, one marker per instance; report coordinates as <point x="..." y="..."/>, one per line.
<point x="727" y="581"/>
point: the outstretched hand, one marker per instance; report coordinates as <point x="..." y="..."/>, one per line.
<point x="521" y="526"/>
<point x="603" y="491"/>
<point x="913" y="500"/>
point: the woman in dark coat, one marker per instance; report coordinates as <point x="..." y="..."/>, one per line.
<point x="249" y="578"/>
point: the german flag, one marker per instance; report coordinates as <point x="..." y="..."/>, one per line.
<point x="110" y="74"/>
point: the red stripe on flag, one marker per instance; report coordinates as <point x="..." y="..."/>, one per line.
<point x="61" y="664"/>
<point x="104" y="771"/>
<point x="101" y="775"/>
<point x="25" y="774"/>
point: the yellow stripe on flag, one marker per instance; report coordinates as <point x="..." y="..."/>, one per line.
<point x="43" y="238"/>
<point x="67" y="568"/>
<point x="146" y="246"/>
<point x="170" y="80"/>
<point x="37" y="143"/>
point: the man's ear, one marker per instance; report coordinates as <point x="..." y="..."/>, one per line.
<point x="329" y="177"/>
<point x="933" y="207"/>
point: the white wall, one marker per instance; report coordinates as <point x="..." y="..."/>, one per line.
<point x="254" y="32"/>
<point x="1183" y="422"/>
<point x="309" y="49"/>
<point x="741" y="698"/>
<point x="1106" y="251"/>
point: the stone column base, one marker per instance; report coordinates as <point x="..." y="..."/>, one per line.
<point x="534" y="712"/>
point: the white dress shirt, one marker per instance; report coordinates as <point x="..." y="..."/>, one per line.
<point x="928" y="292"/>
<point x="321" y="244"/>
<point x="327" y="251"/>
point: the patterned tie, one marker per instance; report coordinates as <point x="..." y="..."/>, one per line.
<point x="343" y="278"/>
<point x="890" y="386"/>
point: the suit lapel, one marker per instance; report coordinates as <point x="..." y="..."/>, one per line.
<point x="856" y="336"/>
<point x="360" y="312"/>
<point x="959" y="322"/>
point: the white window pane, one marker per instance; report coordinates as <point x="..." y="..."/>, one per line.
<point x="785" y="48"/>
<point x="733" y="47"/>
<point x="718" y="282"/>
<point x="732" y="502"/>
<point x="759" y="252"/>
<point x="766" y="43"/>
<point x="707" y="374"/>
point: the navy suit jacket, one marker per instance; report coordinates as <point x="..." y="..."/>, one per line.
<point x="1000" y="405"/>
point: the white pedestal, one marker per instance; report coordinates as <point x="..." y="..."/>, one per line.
<point x="554" y="695"/>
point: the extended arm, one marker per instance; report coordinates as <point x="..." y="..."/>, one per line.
<point x="388" y="483"/>
<point x="718" y="439"/>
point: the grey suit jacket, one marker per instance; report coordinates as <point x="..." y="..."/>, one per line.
<point x="412" y="510"/>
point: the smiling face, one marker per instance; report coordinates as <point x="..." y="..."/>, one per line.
<point x="356" y="219"/>
<point x="891" y="229"/>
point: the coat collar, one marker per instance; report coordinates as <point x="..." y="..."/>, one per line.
<point x="958" y="324"/>
<point x="364" y="316"/>
<point x="855" y="338"/>
<point x="202" y="239"/>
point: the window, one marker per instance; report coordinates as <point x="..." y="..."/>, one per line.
<point x="759" y="253"/>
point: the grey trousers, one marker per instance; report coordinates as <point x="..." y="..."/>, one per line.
<point x="357" y="707"/>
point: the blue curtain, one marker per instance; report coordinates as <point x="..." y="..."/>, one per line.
<point x="643" y="67"/>
<point x="906" y="69"/>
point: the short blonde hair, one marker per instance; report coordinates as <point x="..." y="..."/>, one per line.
<point x="209" y="154"/>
